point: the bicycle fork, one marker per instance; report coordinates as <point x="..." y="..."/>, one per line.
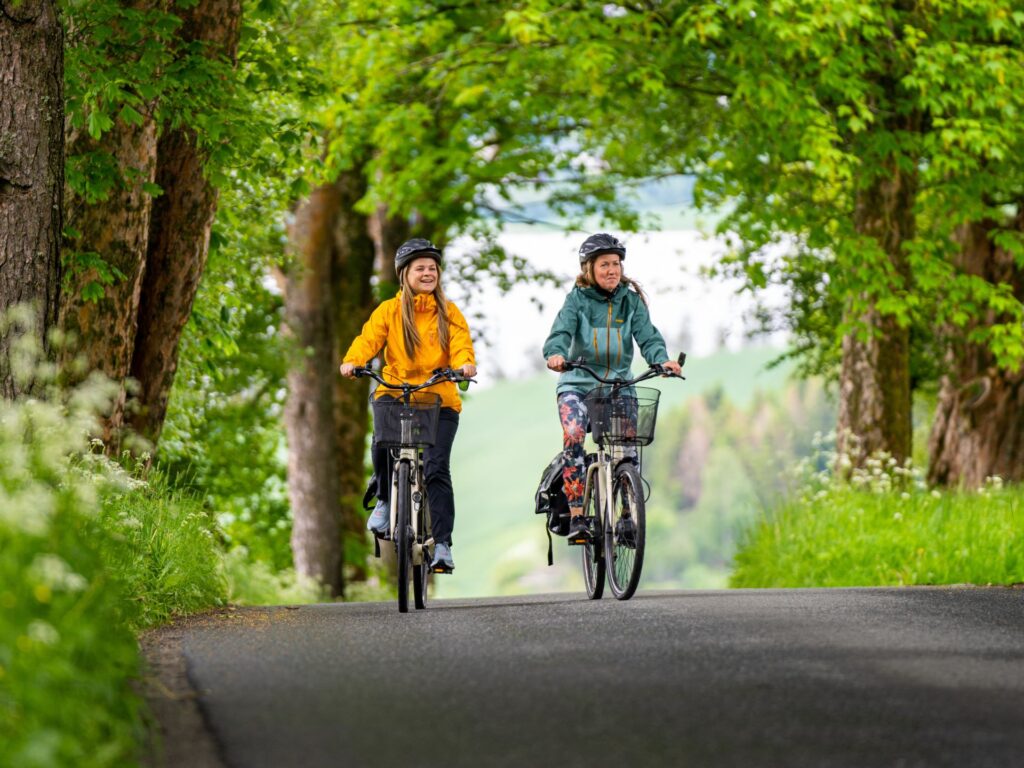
<point x="417" y="497"/>
<point x="599" y="477"/>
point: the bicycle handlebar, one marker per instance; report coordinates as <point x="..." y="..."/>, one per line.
<point x="438" y="376"/>
<point x="655" y="370"/>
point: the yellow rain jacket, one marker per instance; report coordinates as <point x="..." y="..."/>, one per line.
<point x="384" y="331"/>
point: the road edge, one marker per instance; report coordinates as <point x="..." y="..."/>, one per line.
<point x="177" y="732"/>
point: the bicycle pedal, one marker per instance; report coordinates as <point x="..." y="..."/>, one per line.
<point x="441" y="569"/>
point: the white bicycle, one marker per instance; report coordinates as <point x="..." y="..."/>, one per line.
<point x="406" y="423"/>
<point x="622" y="416"/>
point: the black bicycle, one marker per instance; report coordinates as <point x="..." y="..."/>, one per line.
<point x="622" y="418"/>
<point x="406" y="423"/>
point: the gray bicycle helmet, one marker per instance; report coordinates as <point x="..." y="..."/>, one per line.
<point x="415" y="248"/>
<point x="601" y="243"/>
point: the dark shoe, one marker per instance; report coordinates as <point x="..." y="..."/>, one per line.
<point x="579" y="530"/>
<point x="442" y="562"/>
<point x="625" y="533"/>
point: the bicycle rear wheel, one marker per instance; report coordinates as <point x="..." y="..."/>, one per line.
<point x="403" y="544"/>
<point x="593" y="551"/>
<point x="624" y="541"/>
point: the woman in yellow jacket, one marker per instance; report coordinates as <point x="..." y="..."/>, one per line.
<point x="419" y="331"/>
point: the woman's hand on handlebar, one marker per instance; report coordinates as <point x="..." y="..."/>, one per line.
<point x="672" y="367"/>
<point x="348" y="370"/>
<point x="469" y="371"/>
<point x="556" y="363"/>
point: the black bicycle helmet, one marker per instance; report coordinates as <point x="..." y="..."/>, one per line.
<point x="601" y="243"/>
<point x="412" y="249"/>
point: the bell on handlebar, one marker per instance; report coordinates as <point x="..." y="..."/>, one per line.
<point x="464" y="385"/>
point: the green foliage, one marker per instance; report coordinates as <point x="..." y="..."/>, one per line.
<point x="223" y="439"/>
<point x="66" y="653"/>
<point x="817" y="103"/>
<point x="252" y="582"/>
<point x="885" y="528"/>
<point x="87" y="554"/>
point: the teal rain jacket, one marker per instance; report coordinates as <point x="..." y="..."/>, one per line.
<point x="601" y="328"/>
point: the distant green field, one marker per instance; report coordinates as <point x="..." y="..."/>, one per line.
<point x="507" y="435"/>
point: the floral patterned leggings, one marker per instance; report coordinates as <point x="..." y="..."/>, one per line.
<point x="572" y="410"/>
<point x="573" y="413"/>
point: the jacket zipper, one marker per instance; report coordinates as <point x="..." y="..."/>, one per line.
<point x="608" y="347"/>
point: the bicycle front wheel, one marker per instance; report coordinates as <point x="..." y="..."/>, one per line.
<point x="624" y="540"/>
<point x="593" y="550"/>
<point x="403" y="543"/>
<point x="421" y="571"/>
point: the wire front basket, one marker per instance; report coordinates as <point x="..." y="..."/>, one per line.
<point x="625" y="417"/>
<point x="400" y="424"/>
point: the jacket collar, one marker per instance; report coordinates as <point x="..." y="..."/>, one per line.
<point x="599" y="294"/>
<point x="422" y="302"/>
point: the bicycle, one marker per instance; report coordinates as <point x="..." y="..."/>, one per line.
<point x="407" y="424"/>
<point x="621" y="415"/>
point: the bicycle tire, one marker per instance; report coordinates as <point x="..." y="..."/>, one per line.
<point x="593" y="551"/>
<point x="624" y="553"/>
<point x="421" y="572"/>
<point x="403" y="545"/>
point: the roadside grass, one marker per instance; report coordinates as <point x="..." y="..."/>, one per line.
<point x="886" y="528"/>
<point x="89" y="555"/>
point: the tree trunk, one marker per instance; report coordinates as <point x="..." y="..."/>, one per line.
<point x="353" y="301"/>
<point x="874" y="380"/>
<point x="115" y="228"/>
<point x="313" y="482"/>
<point x="179" y="236"/>
<point x="978" y="430"/>
<point x="388" y="233"/>
<point x="31" y="170"/>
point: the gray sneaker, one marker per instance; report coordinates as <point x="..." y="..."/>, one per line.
<point x="380" y="520"/>
<point x="442" y="562"/>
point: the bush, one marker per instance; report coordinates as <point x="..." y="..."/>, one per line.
<point x="66" y="653"/>
<point x="885" y="528"/>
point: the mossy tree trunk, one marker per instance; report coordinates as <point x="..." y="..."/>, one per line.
<point x="978" y="431"/>
<point x="874" y="380"/>
<point x="314" y="487"/>
<point x="352" y="277"/>
<point x="116" y="230"/>
<point x="179" y="235"/>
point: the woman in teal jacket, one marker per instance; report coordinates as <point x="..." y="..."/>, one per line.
<point x="601" y="318"/>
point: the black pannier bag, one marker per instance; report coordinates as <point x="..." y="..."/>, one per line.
<point x="550" y="501"/>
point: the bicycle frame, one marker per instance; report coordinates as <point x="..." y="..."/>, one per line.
<point x="414" y="458"/>
<point x="608" y="549"/>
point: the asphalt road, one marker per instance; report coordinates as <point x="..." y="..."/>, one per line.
<point x="859" y="678"/>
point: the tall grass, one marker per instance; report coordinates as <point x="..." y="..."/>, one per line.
<point x="884" y="527"/>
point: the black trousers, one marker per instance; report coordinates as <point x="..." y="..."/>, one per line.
<point x="437" y="466"/>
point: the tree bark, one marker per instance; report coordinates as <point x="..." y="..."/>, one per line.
<point x="117" y="229"/>
<point x="352" y="278"/>
<point x="31" y="170"/>
<point x="313" y="480"/>
<point x="978" y="431"/>
<point x="388" y="233"/>
<point x="874" y="380"/>
<point x="179" y="236"/>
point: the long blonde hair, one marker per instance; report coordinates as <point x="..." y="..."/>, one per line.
<point x="410" y="335"/>
<point x="585" y="279"/>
